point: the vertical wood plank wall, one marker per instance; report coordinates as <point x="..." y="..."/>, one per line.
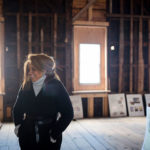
<point x="131" y="46"/>
<point x="32" y="30"/>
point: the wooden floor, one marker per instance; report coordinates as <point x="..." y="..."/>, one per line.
<point x="91" y="134"/>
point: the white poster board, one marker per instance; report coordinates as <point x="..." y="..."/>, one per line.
<point x="135" y="105"/>
<point x="77" y="106"/>
<point x="117" y="105"/>
<point x="146" y="143"/>
<point x="147" y="98"/>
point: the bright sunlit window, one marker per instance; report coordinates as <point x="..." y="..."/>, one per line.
<point x="89" y="63"/>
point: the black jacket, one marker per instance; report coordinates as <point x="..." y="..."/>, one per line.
<point x="52" y="98"/>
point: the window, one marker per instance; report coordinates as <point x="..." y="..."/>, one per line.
<point x="89" y="63"/>
<point x="89" y="58"/>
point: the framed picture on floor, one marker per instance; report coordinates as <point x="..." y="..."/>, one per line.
<point x="117" y="105"/>
<point x="135" y="105"/>
<point x="77" y="106"/>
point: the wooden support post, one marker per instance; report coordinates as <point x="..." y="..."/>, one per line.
<point x="30" y="34"/>
<point x="55" y="35"/>
<point x="121" y="50"/>
<point x="37" y="27"/>
<point x="2" y="83"/>
<point x="140" y="59"/>
<point x="90" y="12"/>
<point x="105" y="106"/>
<point x="68" y="48"/>
<point x="131" y="50"/>
<point x="18" y="41"/>
<point x="90" y="107"/>
<point x="149" y="55"/>
<point x="2" y="79"/>
<point x="42" y="40"/>
<point x="110" y="6"/>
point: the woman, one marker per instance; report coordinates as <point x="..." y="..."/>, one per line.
<point x="43" y="109"/>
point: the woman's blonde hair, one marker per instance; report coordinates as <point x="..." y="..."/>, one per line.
<point x="41" y="62"/>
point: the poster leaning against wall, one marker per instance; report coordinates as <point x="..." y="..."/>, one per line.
<point x="117" y="105"/>
<point x="147" y="98"/>
<point x="77" y="106"/>
<point x="135" y="105"/>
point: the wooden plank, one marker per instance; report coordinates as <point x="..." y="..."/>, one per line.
<point x="121" y="55"/>
<point x="1" y="7"/>
<point x="37" y="27"/>
<point x="90" y="12"/>
<point x="1" y="109"/>
<point x="113" y="130"/>
<point x="98" y="137"/>
<point x="34" y="14"/>
<point x="68" y="143"/>
<point x="121" y="6"/>
<point x="2" y="79"/>
<point x="8" y="139"/>
<point x="88" y="137"/>
<point x="79" y="141"/>
<point x="30" y="33"/>
<point x="103" y="137"/>
<point x="68" y="48"/>
<point x="55" y="36"/>
<point x="105" y="107"/>
<point x="131" y="49"/>
<point x="127" y="16"/>
<point x="83" y="10"/>
<point x="140" y="58"/>
<point x="92" y="134"/>
<point x="90" y="107"/>
<point x="131" y="56"/>
<point x="110" y="6"/>
<point x="2" y="86"/>
<point x="42" y="40"/>
<point x="18" y="41"/>
<point x="149" y="55"/>
<point x="91" y="23"/>
<point x="121" y="50"/>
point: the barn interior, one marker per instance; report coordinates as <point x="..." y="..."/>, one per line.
<point x="101" y="48"/>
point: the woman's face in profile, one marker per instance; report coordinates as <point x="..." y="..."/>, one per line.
<point x="34" y="74"/>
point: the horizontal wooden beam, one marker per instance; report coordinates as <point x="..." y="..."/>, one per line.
<point x="91" y="23"/>
<point x="127" y="16"/>
<point x="34" y="14"/>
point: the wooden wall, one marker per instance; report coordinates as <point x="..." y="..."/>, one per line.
<point x="129" y="30"/>
<point x="33" y="26"/>
<point x="96" y="12"/>
<point x="46" y="26"/>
